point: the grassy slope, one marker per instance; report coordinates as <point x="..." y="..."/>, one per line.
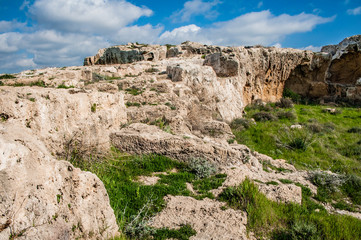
<point x="327" y="148"/>
<point x="134" y="203"/>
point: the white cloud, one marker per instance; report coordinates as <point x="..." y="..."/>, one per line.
<point x="312" y="48"/>
<point x="355" y="11"/>
<point x="248" y="29"/>
<point x="260" y="4"/>
<point x="9" y="43"/>
<point x="195" y="8"/>
<point x="7" y="26"/>
<point x="181" y="34"/>
<point x="25" y="4"/>
<point x="86" y="16"/>
<point x="26" y="62"/>
<point x="142" y="34"/>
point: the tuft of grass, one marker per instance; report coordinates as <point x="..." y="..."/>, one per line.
<point x="152" y="70"/>
<point x="134" y="91"/>
<point x="272" y="220"/>
<point x="93" y="108"/>
<point x="132" y="104"/>
<point x="64" y="86"/>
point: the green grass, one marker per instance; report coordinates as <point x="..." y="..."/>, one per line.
<point x="134" y="91"/>
<point x="7" y="76"/>
<point x="268" y="219"/>
<point x="64" y="86"/>
<point x="130" y="198"/>
<point x="326" y="141"/>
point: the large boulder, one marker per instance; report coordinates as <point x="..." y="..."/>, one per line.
<point x="42" y="197"/>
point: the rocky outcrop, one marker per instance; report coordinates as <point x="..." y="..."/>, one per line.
<point x="42" y="197"/>
<point x="206" y="217"/>
<point x="334" y="74"/>
<point x="127" y="54"/>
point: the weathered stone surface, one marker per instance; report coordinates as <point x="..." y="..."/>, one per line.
<point x="204" y="216"/>
<point x="224" y="66"/>
<point x="43" y="198"/>
<point x="127" y="54"/>
<point x="331" y="74"/>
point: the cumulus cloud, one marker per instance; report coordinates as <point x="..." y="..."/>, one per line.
<point x="355" y="11"/>
<point x="195" y="8"/>
<point x="7" y="26"/>
<point x="86" y="16"/>
<point x="312" y="48"/>
<point x="248" y="29"/>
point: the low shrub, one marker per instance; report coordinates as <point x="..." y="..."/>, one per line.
<point x="286" y="115"/>
<point x="7" y="76"/>
<point x="285" y="103"/>
<point x="241" y="123"/>
<point x="315" y="127"/>
<point x="287" y="93"/>
<point x="354" y="130"/>
<point x="294" y="139"/>
<point x="201" y="167"/>
<point x="264" y="116"/>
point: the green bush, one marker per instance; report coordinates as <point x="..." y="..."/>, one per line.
<point x="285" y="103"/>
<point x="7" y="76"/>
<point x="241" y="123"/>
<point x="264" y="116"/>
<point x="354" y="130"/>
<point x="286" y="115"/>
<point x="201" y="167"/>
<point x="287" y="93"/>
<point x="294" y="139"/>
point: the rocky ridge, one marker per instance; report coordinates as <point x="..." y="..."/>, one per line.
<point x="189" y="93"/>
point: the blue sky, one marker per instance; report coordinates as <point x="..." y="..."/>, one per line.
<point x="48" y="33"/>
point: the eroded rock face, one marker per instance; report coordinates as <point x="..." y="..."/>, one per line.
<point x="41" y="197"/>
<point x="332" y="74"/>
<point x="127" y="54"/>
<point x="205" y="216"/>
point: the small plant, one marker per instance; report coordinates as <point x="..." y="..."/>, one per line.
<point x="64" y="86"/>
<point x="241" y="123"/>
<point x="287" y="93"/>
<point x="32" y="99"/>
<point x="1" y="83"/>
<point x="38" y="84"/>
<point x="354" y="130"/>
<point x="134" y="91"/>
<point x="201" y="167"/>
<point x="294" y="139"/>
<point x="272" y="183"/>
<point x="231" y="141"/>
<point x="132" y="104"/>
<point x="286" y="115"/>
<point x="93" y="108"/>
<point x="7" y="76"/>
<point x="58" y="198"/>
<point x="152" y="70"/>
<point x="302" y="230"/>
<point x="285" y="181"/>
<point x="285" y="103"/>
<point x="4" y="117"/>
<point x="264" y="116"/>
